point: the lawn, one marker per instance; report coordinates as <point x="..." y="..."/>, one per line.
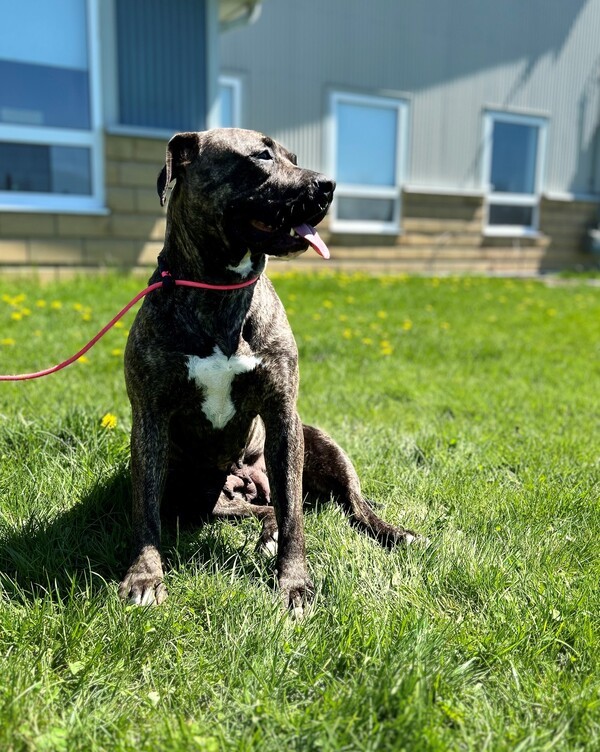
<point x="470" y="407"/>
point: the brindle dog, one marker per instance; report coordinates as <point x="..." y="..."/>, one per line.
<point x="212" y="376"/>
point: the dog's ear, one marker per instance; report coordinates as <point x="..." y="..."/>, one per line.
<point x="182" y="149"/>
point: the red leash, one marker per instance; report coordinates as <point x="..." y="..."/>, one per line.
<point x="138" y="297"/>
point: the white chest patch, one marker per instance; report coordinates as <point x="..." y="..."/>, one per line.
<point x="244" y="267"/>
<point x="215" y="375"/>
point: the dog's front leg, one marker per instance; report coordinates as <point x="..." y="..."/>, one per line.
<point x="142" y="585"/>
<point x="284" y="455"/>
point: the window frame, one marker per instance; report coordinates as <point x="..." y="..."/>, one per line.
<point x="500" y="198"/>
<point x="26" y="201"/>
<point x="354" y="190"/>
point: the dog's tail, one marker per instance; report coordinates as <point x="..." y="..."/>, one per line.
<point x="328" y="471"/>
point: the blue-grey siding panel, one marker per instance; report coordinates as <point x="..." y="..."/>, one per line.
<point x="162" y="63"/>
<point x="451" y="58"/>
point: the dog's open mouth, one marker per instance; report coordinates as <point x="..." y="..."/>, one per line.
<point x="305" y="231"/>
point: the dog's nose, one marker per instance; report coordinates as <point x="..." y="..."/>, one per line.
<point x="325" y="185"/>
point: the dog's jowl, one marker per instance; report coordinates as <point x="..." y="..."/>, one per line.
<point x="212" y="375"/>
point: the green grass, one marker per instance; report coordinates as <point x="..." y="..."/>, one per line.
<point x="471" y="409"/>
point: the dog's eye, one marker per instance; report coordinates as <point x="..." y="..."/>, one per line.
<point x="266" y="154"/>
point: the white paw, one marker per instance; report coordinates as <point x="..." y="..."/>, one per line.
<point x="269" y="546"/>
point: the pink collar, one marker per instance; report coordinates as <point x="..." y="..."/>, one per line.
<point x="169" y="282"/>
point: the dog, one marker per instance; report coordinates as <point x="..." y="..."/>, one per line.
<point x="212" y="375"/>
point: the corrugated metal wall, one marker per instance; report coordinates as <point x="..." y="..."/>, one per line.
<point x="450" y="58"/>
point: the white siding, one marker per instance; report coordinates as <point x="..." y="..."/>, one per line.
<point x="450" y="58"/>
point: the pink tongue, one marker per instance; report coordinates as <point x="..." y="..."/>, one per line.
<point x="312" y="236"/>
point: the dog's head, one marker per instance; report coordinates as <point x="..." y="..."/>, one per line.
<point x="245" y="190"/>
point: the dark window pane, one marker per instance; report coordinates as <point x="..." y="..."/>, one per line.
<point x="501" y="214"/>
<point x="162" y="63"/>
<point x="71" y="172"/>
<point x="33" y="168"/>
<point x="514" y="156"/>
<point x="44" y="95"/>
<point x="367" y="209"/>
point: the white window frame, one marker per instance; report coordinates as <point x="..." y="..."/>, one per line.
<point x="235" y="82"/>
<point x="91" y="139"/>
<point x="347" y="190"/>
<point x="513" y="199"/>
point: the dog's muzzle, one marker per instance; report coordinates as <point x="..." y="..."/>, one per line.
<point x="286" y="226"/>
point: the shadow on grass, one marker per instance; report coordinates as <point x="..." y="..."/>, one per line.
<point x="79" y="549"/>
<point x="88" y="547"/>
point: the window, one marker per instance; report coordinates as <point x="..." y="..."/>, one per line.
<point x="513" y="164"/>
<point x="230" y="96"/>
<point x="50" y="153"/>
<point x="160" y="45"/>
<point x="368" y="138"/>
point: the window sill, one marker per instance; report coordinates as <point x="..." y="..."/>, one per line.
<point x="510" y="231"/>
<point x="99" y="211"/>
<point x="139" y="132"/>
<point x="363" y="228"/>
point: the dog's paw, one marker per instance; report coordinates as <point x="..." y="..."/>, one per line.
<point x="297" y="591"/>
<point x="143" y="583"/>
<point x="391" y="536"/>
<point x="267" y="545"/>
<point x="141" y="590"/>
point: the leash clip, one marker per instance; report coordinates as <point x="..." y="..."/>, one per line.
<point x="168" y="281"/>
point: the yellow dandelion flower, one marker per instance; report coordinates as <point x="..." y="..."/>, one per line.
<point x="367" y="341"/>
<point x="83" y="359"/>
<point x="342" y="317"/>
<point x="386" y="350"/>
<point x="327" y="304"/>
<point x="8" y="342"/>
<point x="86" y="317"/>
<point x="77" y="307"/>
<point x="382" y="314"/>
<point x="347" y="334"/>
<point x="407" y="325"/>
<point x="40" y="303"/>
<point x="16" y="316"/>
<point x="109" y="421"/>
<point x="56" y="305"/>
<point x="18" y="299"/>
<point x="117" y="352"/>
<point x="26" y="311"/>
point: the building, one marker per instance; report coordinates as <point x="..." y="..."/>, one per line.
<point x="90" y="92"/>
<point x="463" y="134"/>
